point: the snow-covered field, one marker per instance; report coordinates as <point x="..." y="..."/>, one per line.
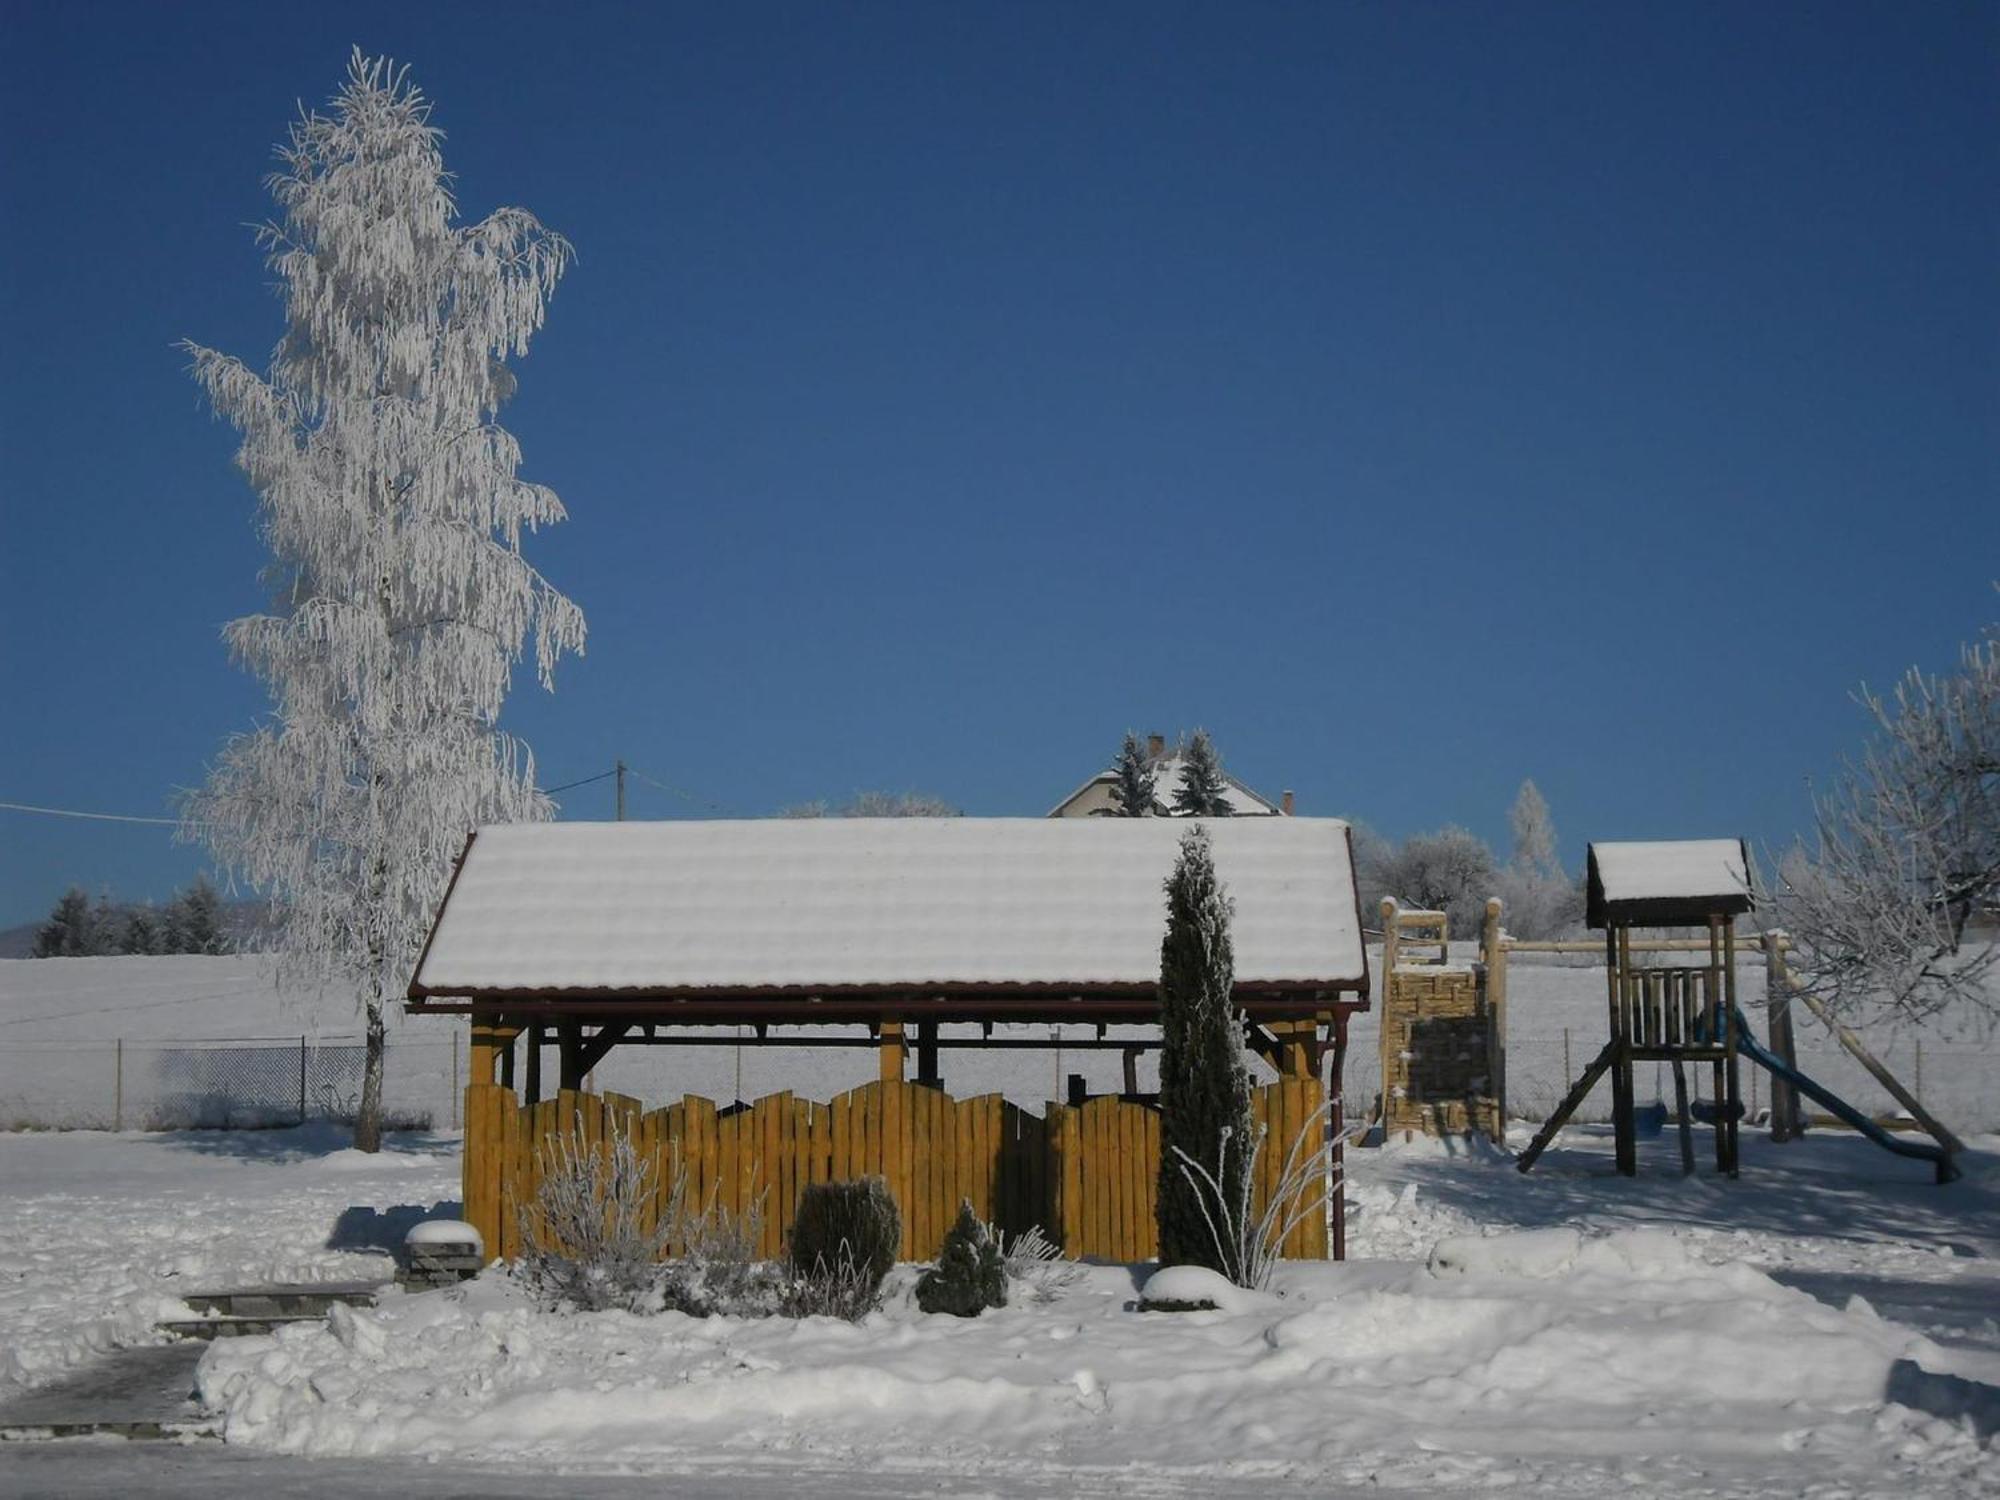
<point x="1795" y="1331"/>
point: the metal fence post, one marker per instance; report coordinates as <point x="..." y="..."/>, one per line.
<point x="118" y="1087"/>
<point x="302" y="1080"/>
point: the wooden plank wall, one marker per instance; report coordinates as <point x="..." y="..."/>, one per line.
<point x="1088" y="1176"/>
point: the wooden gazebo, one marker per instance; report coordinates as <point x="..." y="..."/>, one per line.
<point x="583" y="937"/>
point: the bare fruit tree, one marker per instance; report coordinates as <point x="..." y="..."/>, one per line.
<point x="1894" y="905"/>
<point x="389" y="498"/>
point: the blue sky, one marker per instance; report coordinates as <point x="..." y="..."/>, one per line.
<point x="1422" y="397"/>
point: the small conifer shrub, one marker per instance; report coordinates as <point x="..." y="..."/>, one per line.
<point x="971" y="1273"/>
<point x="843" y="1243"/>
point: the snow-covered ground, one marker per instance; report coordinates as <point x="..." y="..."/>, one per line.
<point x="1578" y="1334"/>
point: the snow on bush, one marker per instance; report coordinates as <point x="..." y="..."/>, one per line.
<point x="1037" y="1264"/>
<point x="598" y="1226"/>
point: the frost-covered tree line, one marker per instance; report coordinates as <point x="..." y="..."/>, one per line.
<point x="877" y="805"/>
<point x="1454" y="871"/>
<point x="390" y="500"/>
<point x="79" y="927"/>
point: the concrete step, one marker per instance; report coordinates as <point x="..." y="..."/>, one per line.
<point x="130" y="1393"/>
<point x="217" y="1327"/>
<point x="285" y="1299"/>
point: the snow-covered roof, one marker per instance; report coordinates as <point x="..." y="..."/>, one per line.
<point x="924" y="904"/>
<point x="1668" y="883"/>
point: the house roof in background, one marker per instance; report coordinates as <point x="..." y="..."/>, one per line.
<point x="1166" y="768"/>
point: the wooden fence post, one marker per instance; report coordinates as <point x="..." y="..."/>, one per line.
<point x="1493" y="948"/>
<point x="1385" y="1033"/>
<point x="1785" y="1122"/>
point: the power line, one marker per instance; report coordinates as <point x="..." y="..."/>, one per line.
<point x="674" y="791"/>
<point x="586" y="781"/>
<point x="71" y="812"/>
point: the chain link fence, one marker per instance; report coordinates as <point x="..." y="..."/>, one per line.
<point x="253" y="1082"/>
<point x="221" y="1083"/>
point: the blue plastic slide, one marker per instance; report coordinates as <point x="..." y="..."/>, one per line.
<point x="1840" y="1109"/>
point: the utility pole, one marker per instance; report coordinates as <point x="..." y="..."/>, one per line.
<point x="621" y="791"/>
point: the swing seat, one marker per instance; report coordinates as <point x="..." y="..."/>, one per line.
<point x="1650" y="1120"/>
<point x="1708" y="1111"/>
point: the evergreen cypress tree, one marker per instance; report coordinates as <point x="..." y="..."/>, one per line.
<point x="1132" y="793"/>
<point x="1203" y="793"/>
<point x="70" y="931"/>
<point x="1204" y="1087"/>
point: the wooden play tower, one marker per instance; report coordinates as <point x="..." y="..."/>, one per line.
<point x="1663" y="1011"/>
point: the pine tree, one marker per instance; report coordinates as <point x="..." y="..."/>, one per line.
<point x="390" y="501"/>
<point x="1132" y="792"/>
<point x="971" y="1274"/>
<point x="144" y="932"/>
<point x="70" y="931"/>
<point x="1203" y="791"/>
<point x="1204" y="1087"/>
<point x="194" y="920"/>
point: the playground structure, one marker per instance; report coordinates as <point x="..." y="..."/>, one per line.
<point x="1681" y="1014"/>
<point x="1444" y="1028"/>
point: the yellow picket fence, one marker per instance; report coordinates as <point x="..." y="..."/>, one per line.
<point x="1087" y="1175"/>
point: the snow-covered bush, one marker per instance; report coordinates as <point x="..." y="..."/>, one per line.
<point x="593" y="1235"/>
<point x="971" y="1273"/>
<point x="843" y="1243"/>
<point x="1246" y="1244"/>
<point x="1036" y="1263"/>
<point x="717" y="1272"/>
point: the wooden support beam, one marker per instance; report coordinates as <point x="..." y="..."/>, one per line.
<point x="533" y="1092"/>
<point x="484" y="1061"/>
<point x="927" y="1055"/>
<point x="893" y="1050"/>
<point x="569" y="1039"/>
<point x="592" y="1050"/>
<point x="1686" y="1124"/>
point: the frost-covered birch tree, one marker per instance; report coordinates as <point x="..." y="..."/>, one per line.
<point x="390" y="500"/>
